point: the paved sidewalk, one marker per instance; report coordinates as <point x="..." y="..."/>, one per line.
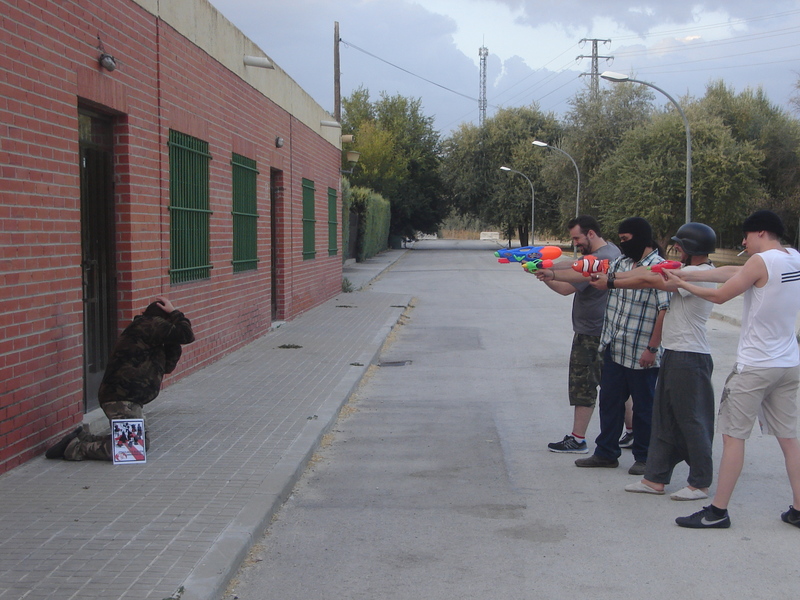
<point x="227" y="445"/>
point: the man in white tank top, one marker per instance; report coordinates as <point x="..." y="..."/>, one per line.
<point x="766" y="376"/>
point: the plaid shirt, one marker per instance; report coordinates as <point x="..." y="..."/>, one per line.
<point x="631" y="315"/>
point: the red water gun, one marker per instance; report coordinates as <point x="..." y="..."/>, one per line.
<point x="667" y="264"/>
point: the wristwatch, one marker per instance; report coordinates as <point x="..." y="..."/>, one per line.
<point x="610" y="280"/>
<point x="653" y="350"/>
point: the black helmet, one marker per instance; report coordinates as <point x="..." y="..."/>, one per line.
<point x="696" y="238"/>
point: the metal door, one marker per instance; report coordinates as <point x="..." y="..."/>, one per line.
<point x="97" y="250"/>
<point x="275" y="215"/>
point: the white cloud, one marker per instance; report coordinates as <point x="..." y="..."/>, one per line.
<point x="533" y="45"/>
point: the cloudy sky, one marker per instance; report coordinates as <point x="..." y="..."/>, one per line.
<point x="429" y="49"/>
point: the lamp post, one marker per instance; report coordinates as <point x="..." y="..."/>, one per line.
<point x="577" y="172"/>
<point x="619" y="78"/>
<point x="532" y="196"/>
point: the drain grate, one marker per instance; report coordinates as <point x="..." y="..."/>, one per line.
<point x="394" y="363"/>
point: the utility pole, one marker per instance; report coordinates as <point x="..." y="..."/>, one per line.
<point x="483" y="52"/>
<point x="337" y="86"/>
<point x="595" y="73"/>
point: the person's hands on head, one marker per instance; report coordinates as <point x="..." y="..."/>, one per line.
<point x="165" y="304"/>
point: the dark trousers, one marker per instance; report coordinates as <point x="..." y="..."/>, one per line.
<point x="683" y="419"/>
<point x="617" y="383"/>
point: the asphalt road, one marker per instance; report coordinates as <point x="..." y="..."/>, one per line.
<point x="436" y="482"/>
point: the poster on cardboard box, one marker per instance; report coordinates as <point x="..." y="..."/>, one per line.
<point x="127" y="441"/>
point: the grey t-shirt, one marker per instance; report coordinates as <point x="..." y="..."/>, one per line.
<point x="589" y="304"/>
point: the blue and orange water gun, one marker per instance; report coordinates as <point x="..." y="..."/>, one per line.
<point x="527" y="254"/>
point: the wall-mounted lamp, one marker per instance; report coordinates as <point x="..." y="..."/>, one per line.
<point x="258" y="61"/>
<point x="352" y="158"/>
<point x="108" y="62"/>
<point x="330" y="124"/>
<point x="279" y="142"/>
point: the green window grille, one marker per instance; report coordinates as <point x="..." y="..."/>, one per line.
<point x="309" y="223"/>
<point x="245" y="213"/>
<point x="333" y="224"/>
<point x="188" y="208"/>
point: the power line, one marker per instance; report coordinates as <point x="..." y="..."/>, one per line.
<point x="383" y="60"/>
<point x="697" y="60"/>
<point x="704" y="45"/>
<point x="482" y="103"/>
<point x="710" y="26"/>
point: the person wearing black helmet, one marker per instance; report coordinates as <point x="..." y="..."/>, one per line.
<point x="683" y="406"/>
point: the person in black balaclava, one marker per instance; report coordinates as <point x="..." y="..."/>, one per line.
<point x="630" y="346"/>
<point x="639" y="238"/>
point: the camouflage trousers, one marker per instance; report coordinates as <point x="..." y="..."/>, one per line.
<point x="98" y="447"/>
<point x="585" y="367"/>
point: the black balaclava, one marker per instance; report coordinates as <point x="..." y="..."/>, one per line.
<point x="641" y="237"/>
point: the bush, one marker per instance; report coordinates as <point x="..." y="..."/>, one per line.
<point x="374" y="218"/>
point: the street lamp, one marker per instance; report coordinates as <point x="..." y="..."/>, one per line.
<point x="532" y="196"/>
<point x="619" y="78"/>
<point x="578" y="194"/>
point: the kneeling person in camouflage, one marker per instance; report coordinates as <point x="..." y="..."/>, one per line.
<point x="146" y="350"/>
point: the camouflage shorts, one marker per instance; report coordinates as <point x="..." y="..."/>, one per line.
<point x="98" y="447"/>
<point x="585" y="366"/>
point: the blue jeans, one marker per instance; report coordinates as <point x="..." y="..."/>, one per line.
<point x="616" y="384"/>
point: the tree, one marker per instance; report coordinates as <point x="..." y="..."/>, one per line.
<point x="645" y="176"/>
<point x="751" y="117"/>
<point x="472" y="158"/>
<point x="400" y="152"/>
<point x="595" y="126"/>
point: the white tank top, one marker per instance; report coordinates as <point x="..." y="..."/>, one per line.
<point x="768" y="338"/>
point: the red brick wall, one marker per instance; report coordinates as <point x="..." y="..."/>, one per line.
<point x="48" y="65"/>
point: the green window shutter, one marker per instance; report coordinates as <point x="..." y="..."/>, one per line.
<point x="309" y="223"/>
<point x="188" y="208"/>
<point x="333" y="223"/>
<point x="245" y="213"/>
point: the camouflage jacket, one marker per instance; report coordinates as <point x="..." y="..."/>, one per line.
<point x="147" y="349"/>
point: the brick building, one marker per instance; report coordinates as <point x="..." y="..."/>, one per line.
<point x="174" y="169"/>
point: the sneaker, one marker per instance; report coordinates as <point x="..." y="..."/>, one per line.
<point x="637" y="468"/>
<point x="626" y="441"/>
<point x="704" y="519"/>
<point x="597" y="461"/>
<point x="787" y="517"/>
<point x="57" y="449"/>
<point x="569" y="445"/>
